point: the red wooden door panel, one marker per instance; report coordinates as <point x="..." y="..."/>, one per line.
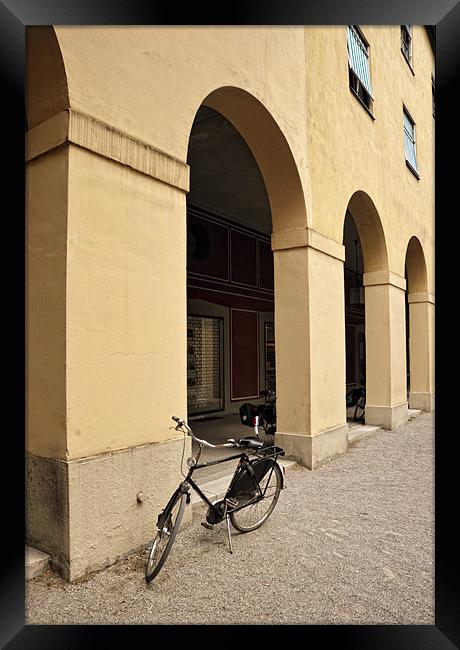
<point x="245" y="354"/>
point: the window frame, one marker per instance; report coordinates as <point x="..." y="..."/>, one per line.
<point x="354" y="82"/>
<point x="409" y="57"/>
<point x="413" y="138"/>
<point x="433" y="96"/>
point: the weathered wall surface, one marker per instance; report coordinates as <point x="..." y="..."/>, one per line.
<point x="106" y="519"/>
<point x="87" y="513"/>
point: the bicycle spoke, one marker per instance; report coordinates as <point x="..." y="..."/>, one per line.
<point x="164" y="539"/>
<point x="252" y="516"/>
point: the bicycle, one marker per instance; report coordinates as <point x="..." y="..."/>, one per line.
<point x="261" y="416"/>
<point x="357" y="398"/>
<point x="253" y="490"/>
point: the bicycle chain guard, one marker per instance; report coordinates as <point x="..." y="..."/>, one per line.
<point x="213" y="517"/>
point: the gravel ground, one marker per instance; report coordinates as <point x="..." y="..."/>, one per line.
<point x="349" y="543"/>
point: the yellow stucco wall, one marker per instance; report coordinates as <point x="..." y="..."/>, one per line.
<point x="138" y="79"/>
<point x="126" y="306"/>
<point x="150" y="81"/>
<point x="110" y="110"/>
<point x="348" y="151"/>
<point x="46" y="205"/>
<point x="125" y="268"/>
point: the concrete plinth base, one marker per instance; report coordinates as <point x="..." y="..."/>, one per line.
<point x="88" y="513"/>
<point x="36" y="562"/>
<point x="312" y="451"/>
<point x="422" y="401"/>
<point x="387" y="417"/>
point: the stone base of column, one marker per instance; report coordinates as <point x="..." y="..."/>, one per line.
<point x="89" y="513"/>
<point x="312" y="451"/>
<point x="422" y="401"/>
<point x="387" y="417"/>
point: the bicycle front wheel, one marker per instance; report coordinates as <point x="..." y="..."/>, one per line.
<point x="254" y="515"/>
<point x="165" y="537"/>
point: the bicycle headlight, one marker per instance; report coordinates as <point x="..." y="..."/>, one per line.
<point x="191" y="462"/>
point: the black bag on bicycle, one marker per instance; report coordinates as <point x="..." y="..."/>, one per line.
<point x="248" y="413"/>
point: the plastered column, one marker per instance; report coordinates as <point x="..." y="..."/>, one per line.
<point x="421" y="351"/>
<point x="46" y="431"/>
<point x="310" y="346"/>
<point x="107" y="336"/>
<point x="386" y="397"/>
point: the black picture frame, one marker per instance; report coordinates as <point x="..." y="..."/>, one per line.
<point x="445" y="16"/>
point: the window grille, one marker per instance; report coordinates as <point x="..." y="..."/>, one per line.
<point x="358" y="61"/>
<point x="204" y="364"/>
<point x="409" y="141"/>
<point x="270" y="364"/>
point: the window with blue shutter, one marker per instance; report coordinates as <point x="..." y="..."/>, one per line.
<point x="409" y="142"/>
<point x="358" y="65"/>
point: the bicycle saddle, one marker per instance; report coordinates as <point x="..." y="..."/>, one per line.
<point x="251" y="442"/>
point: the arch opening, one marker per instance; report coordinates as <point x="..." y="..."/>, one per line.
<point x="365" y="252"/>
<point x="370" y="230"/>
<point x="244" y="186"/>
<point x="415" y="267"/>
<point x="417" y="335"/>
<point x="46" y="81"/>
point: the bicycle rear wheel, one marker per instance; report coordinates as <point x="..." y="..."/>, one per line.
<point x="252" y="516"/>
<point x="165" y="537"/>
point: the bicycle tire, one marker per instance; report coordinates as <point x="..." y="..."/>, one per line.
<point x="157" y="556"/>
<point x="239" y="517"/>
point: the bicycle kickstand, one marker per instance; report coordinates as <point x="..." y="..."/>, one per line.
<point x="229" y="534"/>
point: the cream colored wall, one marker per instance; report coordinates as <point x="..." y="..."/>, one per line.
<point x="126" y="306"/>
<point x="348" y="151"/>
<point x="141" y="84"/>
<point x="327" y="360"/>
<point x="293" y="388"/>
<point x="150" y="81"/>
<point x="107" y="244"/>
<point x="46" y="211"/>
<point x="126" y="278"/>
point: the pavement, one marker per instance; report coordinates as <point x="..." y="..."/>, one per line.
<point x="349" y="543"/>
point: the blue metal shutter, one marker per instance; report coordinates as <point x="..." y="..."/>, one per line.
<point x="358" y="58"/>
<point x="409" y="141"/>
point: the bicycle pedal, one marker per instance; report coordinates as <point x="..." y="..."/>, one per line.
<point x="206" y="525"/>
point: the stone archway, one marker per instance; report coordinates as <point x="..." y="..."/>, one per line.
<point x="47" y="90"/>
<point x="286" y="214"/>
<point x="307" y="271"/>
<point x="386" y="400"/>
<point x="271" y="151"/>
<point x="420" y="328"/>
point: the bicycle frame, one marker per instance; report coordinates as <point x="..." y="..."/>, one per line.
<point x="243" y="482"/>
<point x="243" y="459"/>
<point x="244" y="463"/>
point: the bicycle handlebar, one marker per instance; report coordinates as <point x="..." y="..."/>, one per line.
<point x="204" y="443"/>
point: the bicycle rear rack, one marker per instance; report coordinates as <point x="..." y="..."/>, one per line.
<point x="269" y="452"/>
